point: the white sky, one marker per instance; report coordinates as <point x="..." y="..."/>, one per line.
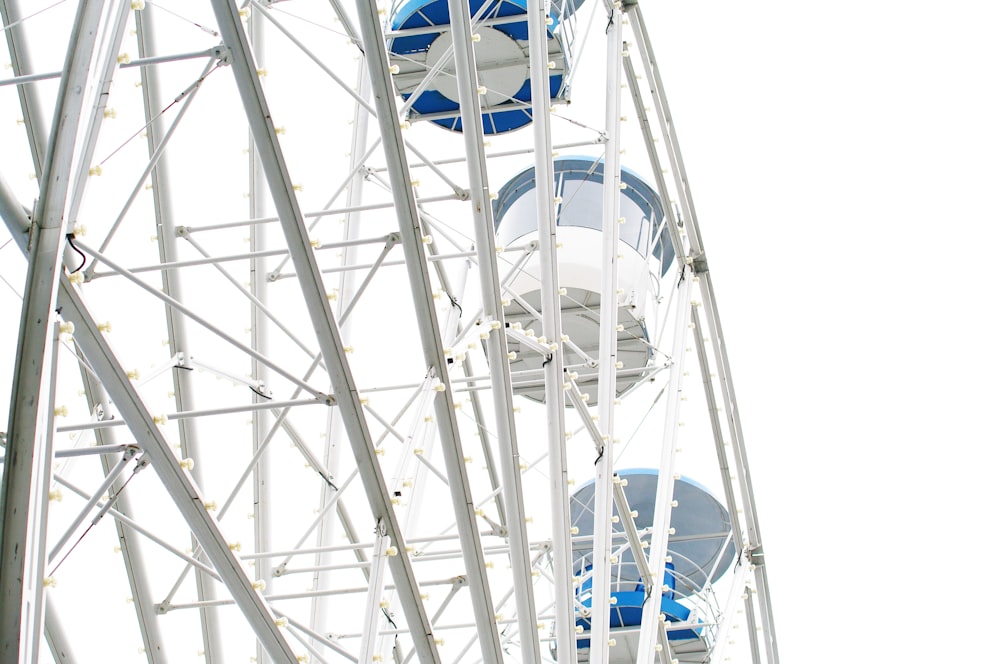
<point x="843" y="160"/>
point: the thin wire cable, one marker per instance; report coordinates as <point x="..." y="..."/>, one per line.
<point x="191" y="88"/>
<point x="93" y="523"/>
<point x="14" y="290"/>
<point x="184" y="18"/>
<point x="25" y="18"/>
<point x="313" y="23"/>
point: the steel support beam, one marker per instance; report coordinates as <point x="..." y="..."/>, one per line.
<point x="104" y="71"/>
<point x="31" y="107"/>
<point x="177" y="338"/>
<point x="128" y="542"/>
<point x="555" y="400"/>
<point x="148" y="436"/>
<point x="645" y="573"/>
<point x="322" y="607"/>
<point x="600" y="619"/>
<point x="755" y="545"/>
<point x="496" y="343"/>
<point x="667" y="127"/>
<point x="328" y="335"/>
<point x="55" y="635"/>
<point x="259" y="341"/>
<point x="662" y="506"/>
<point x="24" y="491"/>
<point x="411" y="237"/>
<point x="698" y="260"/>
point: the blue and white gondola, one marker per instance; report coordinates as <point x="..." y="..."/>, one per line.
<point x="645" y="257"/>
<point x="701" y="552"/>
<point x="421" y="36"/>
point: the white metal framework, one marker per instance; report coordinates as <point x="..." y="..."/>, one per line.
<point x="252" y="268"/>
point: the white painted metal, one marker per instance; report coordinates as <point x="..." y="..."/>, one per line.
<point x="667" y="469"/>
<point x="21" y="64"/>
<point x="328" y="335"/>
<point x="24" y="497"/>
<point x="146" y="430"/>
<point x="471" y="565"/>
<point x="600" y="641"/>
<point x="468" y="88"/>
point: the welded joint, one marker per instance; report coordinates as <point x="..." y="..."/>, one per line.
<point x="579" y="402"/>
<point x="540" y="345"/>
<point x="222" y="55"/>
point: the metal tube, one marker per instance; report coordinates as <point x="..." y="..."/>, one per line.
<point x="24" y="488"/>
<point x="157" y="141"/>
<point x="55" y="635"/>
<point x="31" y="107"/>
<point x="411" y="237"/>
<point x="30" y="78"/>
<point x="662" y="506"/>
<point x="667" y="127"/>
<point x="102" y="77"/>
<point x="128" y="543"/>
<point x="174" y="304"/>
<point x="608" y="350"/>
<point x="181" y="489"/>
<point x="149" y="437"/>
<point x="756" y="550"/>
<point x="555" y="400"/>
<point x="93" y="500"/>
<point x="161" y="59"/>
<point x="262" y="432"/>
<point x="496" y="342"/>
<point x="310" y="282"/>
<point x="124" y="520"/>
<point x="376" y="582"/>
<point x="192" y="414"/>
<point x="166" y="230"/>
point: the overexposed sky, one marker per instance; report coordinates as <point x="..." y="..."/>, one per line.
<point x="844" y="161"/>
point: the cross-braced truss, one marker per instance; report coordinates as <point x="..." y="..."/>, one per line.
<point x="279" y="391"/>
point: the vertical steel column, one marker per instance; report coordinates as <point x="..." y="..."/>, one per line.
<point x="756" y="548"/>
<point x="325" y="532"/>
<point x="260" y="420"/>
<point x="496" y="344"/>
<point x="555" y="399"/>
<point x="662" y="506"/>
<point x="667" y="127"/>
<point x="31" y="107"/>
<point x="376" y="583"/>
<point x="24" y="492"/>
<point x="103" y="75"/>
<point x="166" y="232"/>
<point x="128" y="542"/>
<point x="178" y="485"/>
<point x="148" y="436"/>
<point x="55" y="635"/>
<point x="600" y="618"/>
<point x="411" y="238"/>
<point x="327" y="334"/>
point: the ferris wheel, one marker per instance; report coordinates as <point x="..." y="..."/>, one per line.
<point x="355" y="333"/>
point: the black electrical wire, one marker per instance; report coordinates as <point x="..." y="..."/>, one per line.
<point x="259" y="393"/>
<point x="83" y="256"/>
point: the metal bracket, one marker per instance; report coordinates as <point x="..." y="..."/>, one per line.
<point x="222" y="55"/>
